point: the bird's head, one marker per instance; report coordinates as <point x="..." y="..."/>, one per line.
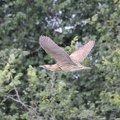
<point x="54" y="67"/>
<point x="46" y="66"/>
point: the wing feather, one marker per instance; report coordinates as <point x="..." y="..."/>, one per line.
<point x="79" y="55"/>
<point x="55" y="51"/>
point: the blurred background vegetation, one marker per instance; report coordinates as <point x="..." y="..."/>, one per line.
<point x="28" y="92"/>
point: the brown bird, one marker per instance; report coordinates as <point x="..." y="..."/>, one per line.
<point x="64" y="62"/>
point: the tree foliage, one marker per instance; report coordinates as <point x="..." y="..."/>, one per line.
<point x="29" y="92"/>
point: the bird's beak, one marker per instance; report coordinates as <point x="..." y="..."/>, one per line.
<point x="42" y="66"/>
<point x="87" y="68"/>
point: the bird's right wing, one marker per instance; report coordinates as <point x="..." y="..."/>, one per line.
<point x="55" y="51"/>
<point x="79" y="55"/>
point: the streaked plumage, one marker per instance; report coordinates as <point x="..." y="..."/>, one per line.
<point x="65" y="62"/>
<point x="79" y="55"/>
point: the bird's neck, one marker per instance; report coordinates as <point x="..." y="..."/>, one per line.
<point x="54" y="67"/>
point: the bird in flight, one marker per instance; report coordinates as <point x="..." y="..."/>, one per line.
<point x="65" y="62"/>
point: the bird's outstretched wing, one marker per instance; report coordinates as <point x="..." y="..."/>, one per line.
<point x="79" y="55"/>
<point x="55" y="51"/>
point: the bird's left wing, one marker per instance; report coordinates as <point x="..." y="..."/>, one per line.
<point x="55" y="51"/>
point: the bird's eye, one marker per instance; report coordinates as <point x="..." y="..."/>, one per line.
<point x="44" y="66"/>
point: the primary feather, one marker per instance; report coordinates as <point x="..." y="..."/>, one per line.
<point x="55" y="51"/>
<point x="79" y="55"/>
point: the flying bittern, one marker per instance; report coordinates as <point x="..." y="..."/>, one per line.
<point x="65" y="62"/>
